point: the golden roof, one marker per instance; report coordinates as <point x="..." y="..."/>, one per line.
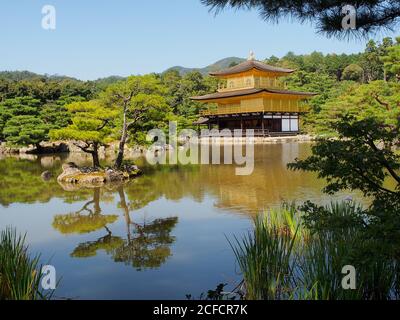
<point x="250" y="65"/>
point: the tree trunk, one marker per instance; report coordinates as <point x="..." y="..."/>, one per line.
<point x="96" y="200"/>
<point x="120" y="156"/>
<point x="95" y="155"/>
<point x="39" y="148"/>
<point x="124" y="206"/>
<point x="339" y="75"/>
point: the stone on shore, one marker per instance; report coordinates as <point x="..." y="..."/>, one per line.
<point x="46" y="175"/>
<point x="44" y="148"/>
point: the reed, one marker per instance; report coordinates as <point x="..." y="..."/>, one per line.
<point x="285" y="258"/>
<point x="266" y="260"/>
<point x="20" y="275"/>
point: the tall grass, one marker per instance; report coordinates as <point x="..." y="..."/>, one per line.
<point x="266" y="258"/>
<point x="285" y="258"/>
<point x="20" y="275"/>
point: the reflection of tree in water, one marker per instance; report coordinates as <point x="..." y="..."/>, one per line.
<point x="147" y="244"/>
<point x="108" y="243"/>
<point x="86" y="220"/>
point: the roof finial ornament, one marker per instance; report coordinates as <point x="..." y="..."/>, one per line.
<point x="251" y="57"/>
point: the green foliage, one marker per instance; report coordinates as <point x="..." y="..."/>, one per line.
<point x="353" y="72"/>
<point x="327" y="16"/>
<point x="277" y="263"/>
<point x="354" y="238"/>
<point x="392" y="60"/>
<point x="180" y="89"/>
<point x="41" y="101"/>
<point x="146" y="108"/>
<point x="377" y="99"/>
<point x="44" y="88"/>
<point x="265" y="258"/>
<point x="141" y="104"/>
<point x="362" y="158"/>
<point x="25" y="130"/>
<point x="20" y="275"/>
<point x="371" y="59"/>
<point x="157" y="115"/>
<point x="24" y="120"/>
<point x="333" y="76"/>
<point x="17" y="107"/>
<point x="92" y="125"/>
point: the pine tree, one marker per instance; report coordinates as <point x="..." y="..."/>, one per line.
<point x="91" y="127"/>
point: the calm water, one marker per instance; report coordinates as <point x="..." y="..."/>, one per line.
<point x="161" y="236"/>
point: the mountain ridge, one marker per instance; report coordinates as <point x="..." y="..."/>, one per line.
<point x="19" y="75"/>
<point x="216" y="66"/>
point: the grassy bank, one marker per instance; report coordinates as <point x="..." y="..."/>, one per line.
<point x="300" y="253"/>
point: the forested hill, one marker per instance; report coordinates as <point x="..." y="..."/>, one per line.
<point x="217" y="66"/>
<point x="29" y="76"/>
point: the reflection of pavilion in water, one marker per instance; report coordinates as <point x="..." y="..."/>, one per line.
<point x="269" y="184"/>
<point x="146" y="244"/>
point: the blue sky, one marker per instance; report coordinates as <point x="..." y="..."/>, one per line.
<point x="97" y="38"/>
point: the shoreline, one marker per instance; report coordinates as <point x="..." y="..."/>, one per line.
<point x="64" y="147"/>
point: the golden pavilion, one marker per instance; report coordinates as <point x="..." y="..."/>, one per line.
<point x="251" y="96"/>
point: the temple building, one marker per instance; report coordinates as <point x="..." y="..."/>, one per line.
<point x="251" y="96"/>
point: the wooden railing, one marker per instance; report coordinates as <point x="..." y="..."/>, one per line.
<point x="248" y="109"/>
<point x="264" y="133"/>
<point x="242" y="84"/>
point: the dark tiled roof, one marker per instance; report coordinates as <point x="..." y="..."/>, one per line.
<point x="249" y="65"/>
<point x="246" y="92"/>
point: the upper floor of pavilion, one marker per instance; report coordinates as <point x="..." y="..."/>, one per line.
<point x="251" y="74"/>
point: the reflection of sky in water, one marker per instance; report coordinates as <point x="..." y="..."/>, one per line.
<point x="210" y="203"/>
<point x="200" y="257"/>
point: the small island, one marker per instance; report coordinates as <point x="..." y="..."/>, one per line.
<point x="94" y="176"/>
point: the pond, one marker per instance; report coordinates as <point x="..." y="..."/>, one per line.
<point x="161" y="236"/>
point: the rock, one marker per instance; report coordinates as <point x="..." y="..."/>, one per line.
<point x="69" y="165"/>
<point x="47" y="148"/>
<point x="4" y="149"/>
<point x="87" y="176"/>
<point x="28" y="150"/>
<point x="114" y="176"/>
<point x="131" y="170"/>
<point x="46" y="175"/>
<point x="70" y="170"/>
